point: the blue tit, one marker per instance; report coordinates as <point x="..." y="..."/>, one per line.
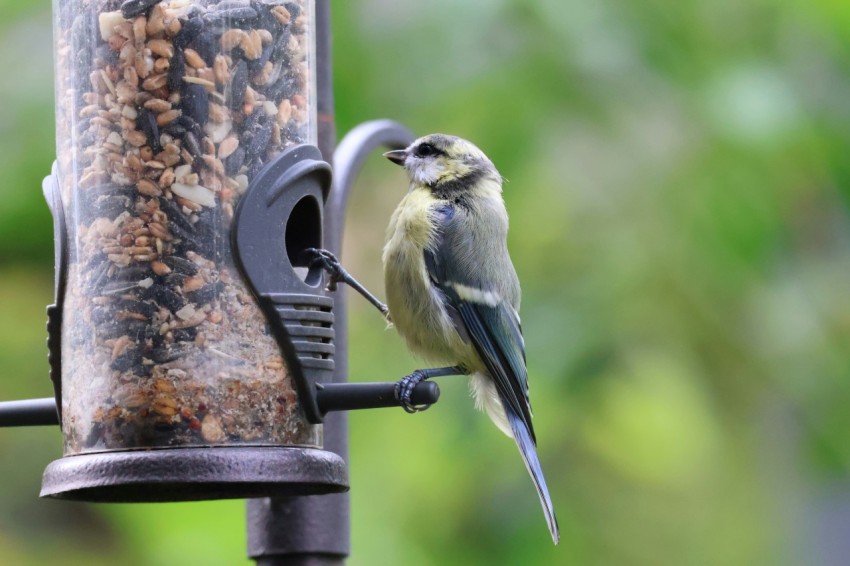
<point x="452" y="291"/>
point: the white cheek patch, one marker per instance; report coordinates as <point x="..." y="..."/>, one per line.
<point x="473" y="295"/>
<point x="426" y="173"/>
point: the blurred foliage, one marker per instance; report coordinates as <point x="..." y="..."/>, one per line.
<point x="678" y="185"/>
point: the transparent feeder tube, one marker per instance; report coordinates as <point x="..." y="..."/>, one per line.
<point x="165" y="113"/>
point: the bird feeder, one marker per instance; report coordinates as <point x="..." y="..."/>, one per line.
<point x="194" y="350"/>
<point x="170" y="116"/>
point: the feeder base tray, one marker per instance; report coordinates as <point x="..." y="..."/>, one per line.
<point x="193" y="474"/>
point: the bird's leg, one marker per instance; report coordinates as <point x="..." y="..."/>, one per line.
<point x="338" y="274"/>
<point x="404" y="386"/>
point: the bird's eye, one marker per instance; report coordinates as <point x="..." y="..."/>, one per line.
<point x="425" y="149"/>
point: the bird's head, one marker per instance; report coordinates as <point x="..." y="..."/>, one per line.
<point x="439" y="160"/>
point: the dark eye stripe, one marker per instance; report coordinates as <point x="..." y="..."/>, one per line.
<point x="426" y="149"/>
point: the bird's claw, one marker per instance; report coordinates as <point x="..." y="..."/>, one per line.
<point x="328" y="262"/>
<point x="404" y="389"/>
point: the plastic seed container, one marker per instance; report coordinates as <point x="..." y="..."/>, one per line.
<point x="166" y="111"/>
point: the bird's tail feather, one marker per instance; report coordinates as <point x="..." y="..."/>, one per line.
<point x="529" y="455"/>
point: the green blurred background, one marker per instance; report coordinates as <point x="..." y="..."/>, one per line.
<point x="678" y="181"/>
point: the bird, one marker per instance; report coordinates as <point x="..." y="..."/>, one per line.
<point x="452" y="291"/>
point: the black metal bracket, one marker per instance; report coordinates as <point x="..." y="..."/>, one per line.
<point x="350" y="154"/>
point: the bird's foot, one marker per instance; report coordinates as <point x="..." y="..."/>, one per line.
<point x="404" y="389"/>
<point x="327" y="261"/>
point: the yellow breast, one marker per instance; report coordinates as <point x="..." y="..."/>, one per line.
<point x="415" y="306"/>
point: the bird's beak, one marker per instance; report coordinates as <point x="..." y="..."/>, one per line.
<point x="396" y="156"/>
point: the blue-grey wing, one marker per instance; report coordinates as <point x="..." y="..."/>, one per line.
<point x="488" y="321"/>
